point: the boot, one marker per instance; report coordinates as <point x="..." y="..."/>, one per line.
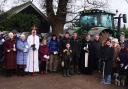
<point x="77" y="69"/>
<point x="68" y="73"/>
<point x="64" y="73"/>
<point x="108" y="80"/>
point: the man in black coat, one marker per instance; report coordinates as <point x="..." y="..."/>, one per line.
<point x="64" y="41"/>
<point x="86" y="62"/>
<point x="75" y="46"/>
<point x="96" y="46"/>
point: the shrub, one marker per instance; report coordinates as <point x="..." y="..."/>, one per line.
<point x="21" y="22"/>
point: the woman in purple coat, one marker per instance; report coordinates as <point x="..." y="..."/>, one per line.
<point x="22" y="54"/>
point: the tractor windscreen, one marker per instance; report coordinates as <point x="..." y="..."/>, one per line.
<point x="97" y="20"/>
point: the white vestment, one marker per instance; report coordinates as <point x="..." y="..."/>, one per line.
<point x="86" y="57"/>
<point x="32" y="60"/>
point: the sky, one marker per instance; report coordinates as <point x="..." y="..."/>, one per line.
<point x="113" y="5"/>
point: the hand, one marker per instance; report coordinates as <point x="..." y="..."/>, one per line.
<point x="121" y="65"/>
<point x="45" y="56"/>
<point x="84" y="48"/>
<point x="62" y="63"/>
<point x="48" y="57"/>
<point x="14" y="49"/>
<point x="8" y="50"/>
<point x="3" y="40"/>
<point x="70" y="59"/>
<point x="126" y="67"/>
<point x="55" y="52"/>
<point x="26" y="46"/>
<point x="118" y="59"/>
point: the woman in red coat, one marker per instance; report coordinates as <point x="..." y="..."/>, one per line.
<point x="44" y="55"/>
<point x="10" y="54"/>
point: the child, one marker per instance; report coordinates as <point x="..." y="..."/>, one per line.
<point x="44" y="55"/>
<point x="66" y="60"/>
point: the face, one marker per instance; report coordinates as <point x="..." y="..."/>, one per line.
<point x="88" y="37"/>
<point x="44" y="42"/>
<point x="122" y="38"/>
<point x="33" y="32"/>
<point x="67" y="45"/>
<point x="23" y="37"/>
<point x="97" y="37"/>
<point x="54" y="37"/>
<point x="14" y="34"/>
<point x="67" y="35"/>
<point x="11" y="35"/>
<point x="108" y="43"/>
<point x="75" y="35"/>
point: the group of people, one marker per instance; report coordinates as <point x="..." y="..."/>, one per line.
<point x="69" y="54"/>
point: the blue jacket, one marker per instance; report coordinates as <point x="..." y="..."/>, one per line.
<point x="53" y="46"/>
<point x="22" y="52"/>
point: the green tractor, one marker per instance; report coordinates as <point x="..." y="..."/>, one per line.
<point x="97" y="21"/>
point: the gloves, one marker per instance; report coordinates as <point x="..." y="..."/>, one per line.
<point x="33" y="48"/>
<point x="33" y="45"/>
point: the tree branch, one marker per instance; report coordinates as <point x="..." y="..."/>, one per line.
<point x="62" y="8"/>
<point x="49" y="8"/>
<point x="72" y="19"/>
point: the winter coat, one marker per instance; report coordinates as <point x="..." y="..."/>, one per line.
<point x="10" y="57"/>
<point x="96" y="46"/>
<point x="67" y="57"/>
<point x="22" y="52"/>
<point x="115" y="56"/>
<point x="107" y="55"/>
<point x="43" y="50"/>
<point x="88" y="69"/>
<point x="63" y="43"/>
<point x="76" y="47"/>
<point x="53" y="46"/>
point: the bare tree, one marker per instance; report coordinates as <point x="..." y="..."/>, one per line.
<point x="126" y="1"/>
<point x="2" y="2"/>
<point x="57" y="11"/>
<point x="58" y="19"/>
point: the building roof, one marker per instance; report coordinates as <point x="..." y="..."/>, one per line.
<point x="17" y="9"/>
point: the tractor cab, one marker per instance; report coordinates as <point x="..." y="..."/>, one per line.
<point x="95" y="21"/>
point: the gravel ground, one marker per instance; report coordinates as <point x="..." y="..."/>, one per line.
<point x="54" y="81"/>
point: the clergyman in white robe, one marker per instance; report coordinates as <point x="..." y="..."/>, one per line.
<point x="32" y="60"/>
